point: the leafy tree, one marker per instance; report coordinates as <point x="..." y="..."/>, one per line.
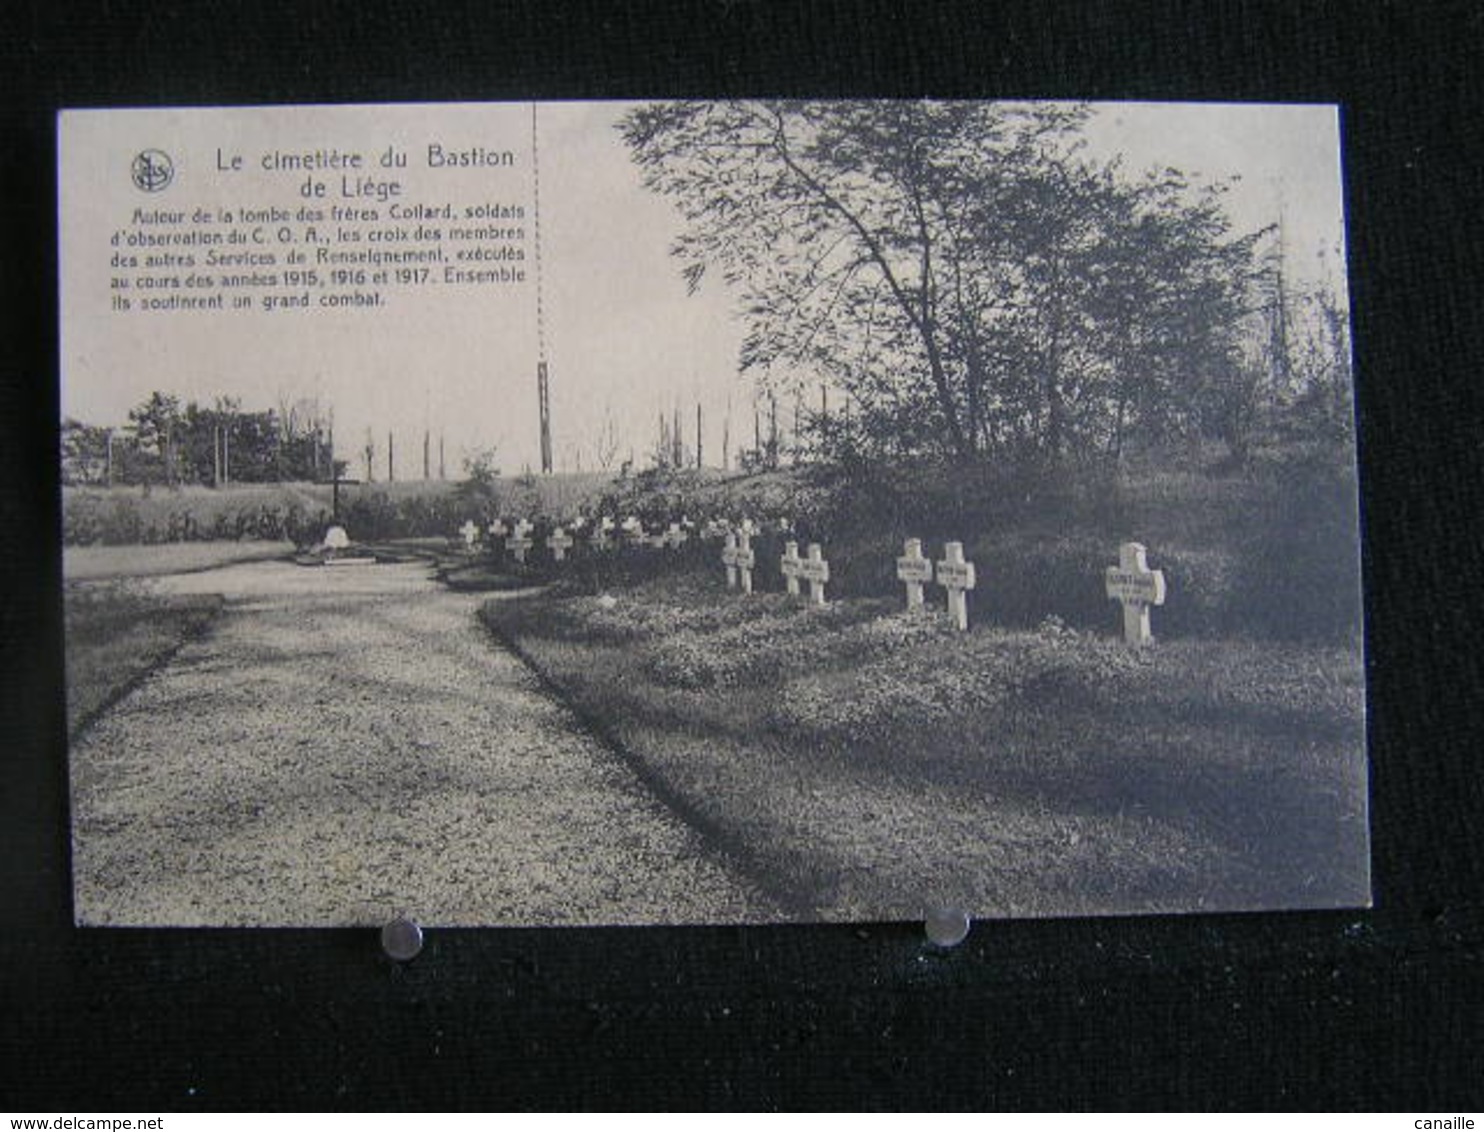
<point x="84" y="452"/>
<point x="479" y="488"/>
<point x="963" y="271"/>
<point x="154" y="424"/>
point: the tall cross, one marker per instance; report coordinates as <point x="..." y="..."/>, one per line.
<point x="957" y="577"/>
<point x="1137" y="587"/>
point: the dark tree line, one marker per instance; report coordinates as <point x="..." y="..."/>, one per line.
<point x="167" y="443"/>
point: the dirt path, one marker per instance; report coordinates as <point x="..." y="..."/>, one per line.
<point x="348" y="744"/>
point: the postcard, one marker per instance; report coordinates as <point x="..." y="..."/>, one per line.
<point x="708" y="512"/>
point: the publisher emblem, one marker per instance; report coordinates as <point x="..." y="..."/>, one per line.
<point x="152" y="170"/>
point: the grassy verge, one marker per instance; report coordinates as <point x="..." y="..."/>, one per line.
<point x="96" y="563"/>
<point x="868" y="764"/>
<point x="117" y="634"/>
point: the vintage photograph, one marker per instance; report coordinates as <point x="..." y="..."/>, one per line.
<point x="708" y="513"/>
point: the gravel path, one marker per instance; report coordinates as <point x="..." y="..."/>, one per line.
<point x="349" y="744"/>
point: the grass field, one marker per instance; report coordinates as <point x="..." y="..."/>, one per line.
<point x="97" y="563"/>
<point x="118" y="633"/>
<point x="868" y="763"/>
<point x="299" y="511"/>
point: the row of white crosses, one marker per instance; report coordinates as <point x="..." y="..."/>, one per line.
<point x="1131" y="582"/>
<point x="518" y="542"/>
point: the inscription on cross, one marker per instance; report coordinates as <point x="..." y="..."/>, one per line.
<point x="816" y="571"/>
<point x="791" y="565"/>
<point x="915" y="570"/>
<point x="557" y="542"/>
<point x="957" y="577"/>
<point x="1137" y="587"/>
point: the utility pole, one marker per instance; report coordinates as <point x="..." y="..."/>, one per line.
<point x="440" y="457"/>
<point x="426" y="454"/>
<point x="698" y="435"/>
<point x="773" y="441"/>
<point x="334" y="477"/>
<point x="543" y="381"/>
<point x="543" y="394"/>
<point x="391" y="467"/>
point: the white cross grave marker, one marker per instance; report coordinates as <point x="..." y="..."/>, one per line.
<point x="791" y="565"/>
<point x="518" y="543"/>
<point x="675" y="538"/>
<point x="816" y="571"/>
<point x="739" y="559"/>
<point x="746" y="559"/>
<point x="1137" y="587"/>
<point x="470" y="531"/>
<point x="957" y="577"/>
<point x="599" y="539"/>
<point x="497" y="530"/>
<point x="729" y="560"/>
<point x="914" y="569"/>
<point x="558" y="542"/>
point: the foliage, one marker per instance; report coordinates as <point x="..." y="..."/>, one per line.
<point x="963" y="271"/>
<point x="166" y="443"/>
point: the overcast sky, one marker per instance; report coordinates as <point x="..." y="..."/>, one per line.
<point x="622" y="335"/>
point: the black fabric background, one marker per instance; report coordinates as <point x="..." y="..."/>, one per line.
<point x="1366" y="1009"/>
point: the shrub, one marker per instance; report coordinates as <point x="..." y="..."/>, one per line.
<point x="1298" y="576"/>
